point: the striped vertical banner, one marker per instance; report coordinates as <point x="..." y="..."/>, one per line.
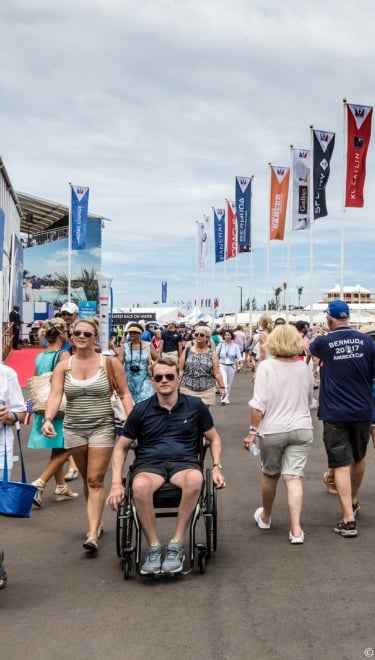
<point x="301" y="189"/>
<point x="231" y="230"/>
<point x="359" y="133"/>
<point x="278" y="201"/>
<point x="203" y="228"/>
<point x="243" y="210"/>
<point x="219" y="230"/>
<point x="79" y="211"/>
<point x="323" y="145"/>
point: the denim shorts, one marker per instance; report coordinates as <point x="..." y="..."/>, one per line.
<point x="286" y="452"/>
<point x="345" y="442"/>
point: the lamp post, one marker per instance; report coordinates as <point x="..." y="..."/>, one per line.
<point x="239" y="286"/>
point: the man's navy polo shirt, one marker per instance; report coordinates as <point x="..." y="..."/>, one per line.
<point x="171" y="339"/>
<point x="168" y="434"/>
<point x="348" y="358"/>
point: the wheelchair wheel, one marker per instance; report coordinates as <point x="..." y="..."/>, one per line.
<point x="202" y="562"/>
<point x="119" y="529"/>
<point x="126" y="567"/>
<point x="210" y="517"/>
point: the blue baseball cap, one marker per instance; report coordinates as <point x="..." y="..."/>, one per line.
<point x="338" y="309"/>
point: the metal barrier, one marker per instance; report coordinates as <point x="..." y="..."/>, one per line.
<point x="7" y="337"/>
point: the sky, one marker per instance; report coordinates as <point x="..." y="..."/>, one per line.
<point x="158" y="105"/>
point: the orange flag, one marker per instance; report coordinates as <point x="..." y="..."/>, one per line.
<point x="278" y="201"/>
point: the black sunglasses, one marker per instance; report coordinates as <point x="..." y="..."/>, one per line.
<point x="66" y="314"/>
<point x="85" y="333"/>
<point x="159" y="377"/>
<point x="199" y="334"/>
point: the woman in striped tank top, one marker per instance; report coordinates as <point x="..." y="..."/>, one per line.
<point x="89" y="429"/>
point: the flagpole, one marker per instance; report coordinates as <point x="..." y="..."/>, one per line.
<point x="288" y="245"/>
<point x="70" y="246"/>
<point x="251" y="265"/>
<point x="213" y="272"/>
<point x="196" y="268"/>
<point x="225" y="271"/>
<point x="236" y="276"/>
<point x="311" y="233"/>
<point x="268" y="247"/>
<point x="342" y="228"/>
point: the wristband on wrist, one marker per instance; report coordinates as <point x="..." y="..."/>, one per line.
<point x="254" y="429"/>
<point x="47" y="419"/>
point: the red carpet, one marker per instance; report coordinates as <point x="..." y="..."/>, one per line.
<point x="23" y="362"/>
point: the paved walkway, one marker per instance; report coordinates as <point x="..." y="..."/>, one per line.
<point x="260" y="599"/>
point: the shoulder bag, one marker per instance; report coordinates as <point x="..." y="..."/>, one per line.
<point x="16" y="497"/>
<point x="39" y="390"/>
<point x="116" y="402"/>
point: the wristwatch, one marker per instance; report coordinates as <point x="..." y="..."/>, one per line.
<point x="217" y="465"/>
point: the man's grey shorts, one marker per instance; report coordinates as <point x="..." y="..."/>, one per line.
<point x="345" y="442"/>
<point x="285" y="453"/>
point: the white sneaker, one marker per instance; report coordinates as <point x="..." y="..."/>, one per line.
<point x="259" y="521"/>
<point x="226" y="400"/>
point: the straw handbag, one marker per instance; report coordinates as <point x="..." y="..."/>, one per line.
<point x="40" y="388"/>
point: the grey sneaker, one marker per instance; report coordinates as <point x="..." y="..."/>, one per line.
<point x="347" y="530"/>
<point x="356" y="509"/>
<point x="152" y="563"/>
<point x="174" y="558"/>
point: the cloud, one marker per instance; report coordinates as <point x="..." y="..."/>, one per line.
<point x="157" y="106"/>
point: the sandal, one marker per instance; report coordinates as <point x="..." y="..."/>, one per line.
<point x="329" y="480"/>
<point x="91" y="544"/>
<point x="71" y="474"/>
<point x="40" y="485"/>
<point x="100" y="531"/>
<point x="64" y="493"/>
<point x="3" y="573"/>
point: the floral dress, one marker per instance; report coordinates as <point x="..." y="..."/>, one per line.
<point x="139" y="381"/>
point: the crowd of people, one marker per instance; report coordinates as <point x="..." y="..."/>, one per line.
<point x="180" y="371"/>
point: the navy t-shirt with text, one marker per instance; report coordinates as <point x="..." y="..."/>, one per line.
<point x="348" y="358"/>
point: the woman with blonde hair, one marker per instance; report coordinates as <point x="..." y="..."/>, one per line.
<point x="54" y="333"/>
<point x="280" y="418"/>
<point x="199" y="368"/>
<point x="89" y="427"/>
<point x="265" y="324"/>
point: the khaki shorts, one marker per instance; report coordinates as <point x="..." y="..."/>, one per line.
<point x="104" y="436"/>
<point x="172" y="354"/>
<point x="285" y="453"/>
<point x="208" y="396"/>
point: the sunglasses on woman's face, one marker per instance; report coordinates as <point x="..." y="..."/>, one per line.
<point x="199" y="334"/>
<point x="159" y="377"/>
<point x="85" y="333"/>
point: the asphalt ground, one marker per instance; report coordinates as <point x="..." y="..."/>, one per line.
<point x="260" y="598"/>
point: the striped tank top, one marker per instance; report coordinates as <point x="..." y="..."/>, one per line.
<point x="88" y="401"/>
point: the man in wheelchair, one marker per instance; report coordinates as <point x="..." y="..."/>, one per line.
<point x="167" y="427"/>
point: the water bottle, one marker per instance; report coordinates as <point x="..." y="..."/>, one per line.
<point x="254" y="449"/>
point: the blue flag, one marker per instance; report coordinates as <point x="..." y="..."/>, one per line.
<point x="79" y="210"/>
<point x="243" y="209"/>
<point x="164" y="292"/>
<point x="219" y="230"/>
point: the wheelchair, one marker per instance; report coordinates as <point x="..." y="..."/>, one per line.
<point x="166" y="502"/>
